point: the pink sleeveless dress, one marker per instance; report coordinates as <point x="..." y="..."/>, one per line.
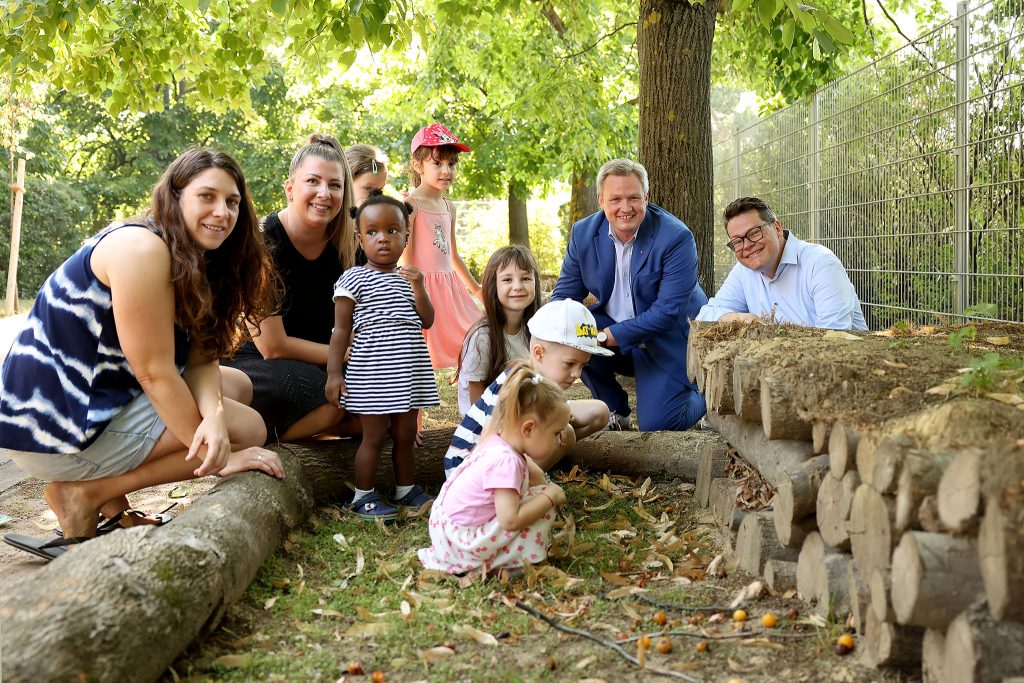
<point x="455" y="311"/>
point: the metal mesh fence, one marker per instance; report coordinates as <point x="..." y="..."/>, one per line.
<point x="909" y="169"/>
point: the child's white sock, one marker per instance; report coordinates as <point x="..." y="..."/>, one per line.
<point x="402" y="491"/>
<point x="360" y="494"/>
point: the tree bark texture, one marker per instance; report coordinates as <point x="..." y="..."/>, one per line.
<point x="780" y="575"/>
<point x="769" y="458"/>
<point x="891" y="646"/>
<point x="666" y="455"/>
<point x="121" y="607"/>
<point x="714" y="457"/>
<point x="518" y="222"/>
<point x="583" y="200"/>
<point x="934" y="578"/>
<point x="778" y="412"/>
<point x="674" y="40"/>
<point x="1001" y="551"/>
<point x="722" y="500"/>
<point x="980" y="649"/>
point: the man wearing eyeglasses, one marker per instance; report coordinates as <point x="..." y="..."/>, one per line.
<point x="640" y="262"/>
<point x="781" y="278"/>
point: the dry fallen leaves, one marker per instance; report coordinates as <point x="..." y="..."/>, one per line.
<point x="479" y="636"/>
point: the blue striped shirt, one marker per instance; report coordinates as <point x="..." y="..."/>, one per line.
<point x="66" y="376"/>
<point x="467" y="434"/>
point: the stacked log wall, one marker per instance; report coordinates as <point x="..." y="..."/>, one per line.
<point x="911" y="527"/>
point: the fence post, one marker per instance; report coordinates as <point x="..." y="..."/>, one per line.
<point x="735" y="167"/>
<point x="813" y="170"/>
<point x="963" y="193"/>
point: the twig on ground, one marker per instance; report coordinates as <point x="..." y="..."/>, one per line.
<point x="764" y="633"/>
<point x="681" y="608"/>
<point x="601" y="641"/>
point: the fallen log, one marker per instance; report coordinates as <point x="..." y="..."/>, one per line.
<point x="814" y="570"/>
<point x="933" y="652"/>
<point x="880" y="586"/>
<point x="779" y="417"/>
<point x="121" y="607"/>
<point x="769" y="458"/>
<point x="780" y="575"/>
<point x="870" y="530"/>
<point x="666" y="455"/>
<point x="831" y="585"/>
<point x="1001" y="552"/>
<point x="919" y="477"/>
<point x="746" y="388"/>
<point x="714" y="458"/>
<point x="891" y="646"/>
<point x="934" y="578"/>
<point x="835" y="497"/>
<point x="718" y="388"/>
<point x="756" y="543"/>
<point x="980" y="649"/>
<point x="792" y="534"/>
<point x="842" y="446"/>
<point x="867" y="446"/>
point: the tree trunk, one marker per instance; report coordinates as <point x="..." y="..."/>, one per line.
<point x="971" y="478"/>
<point x="934" y="578"/>
<point x="518" y="223"/>
<point x="797" y="490"/>
<point x="674" y="40"/>
<point x="583" y="201"/>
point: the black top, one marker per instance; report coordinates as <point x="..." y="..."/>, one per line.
<point x="307" y="305"/>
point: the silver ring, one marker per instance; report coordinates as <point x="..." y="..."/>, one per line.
<point x="259" y="458"/>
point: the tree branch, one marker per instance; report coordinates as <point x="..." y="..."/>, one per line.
<point x="908" y="39"/>
<point x="594" y="44"/>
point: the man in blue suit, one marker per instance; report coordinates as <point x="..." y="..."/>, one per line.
<point x="640" y="262"/>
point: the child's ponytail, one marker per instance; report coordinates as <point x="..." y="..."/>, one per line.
<point x="524" y="392"/>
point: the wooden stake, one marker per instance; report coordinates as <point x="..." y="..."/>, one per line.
<point x="12" y="269"/>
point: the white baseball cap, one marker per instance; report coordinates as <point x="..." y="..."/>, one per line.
<point x="567" y="322"/>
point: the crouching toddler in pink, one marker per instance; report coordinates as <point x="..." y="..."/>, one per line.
<point x="496" y="511"/>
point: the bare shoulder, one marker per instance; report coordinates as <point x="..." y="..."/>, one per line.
<point x="130" y="249"/>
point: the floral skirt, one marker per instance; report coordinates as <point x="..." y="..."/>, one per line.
<point x="458" y="549"/>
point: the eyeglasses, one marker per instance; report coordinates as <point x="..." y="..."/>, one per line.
<point x="755" y="234"/>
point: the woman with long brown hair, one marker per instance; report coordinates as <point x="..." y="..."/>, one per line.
<point x="311" y="241"/>
<point x="114" y="384"/>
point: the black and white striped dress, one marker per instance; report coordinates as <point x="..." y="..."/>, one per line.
<point x="389" y="370"/>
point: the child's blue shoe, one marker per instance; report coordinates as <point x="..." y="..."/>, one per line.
<point x="416" y="500"/>
<point x="373" y="507"/>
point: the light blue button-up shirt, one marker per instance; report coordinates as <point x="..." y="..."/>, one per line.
<point x="810" y="288"/>
<point x="620" y="303"/>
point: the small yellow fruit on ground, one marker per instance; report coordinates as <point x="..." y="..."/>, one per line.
<point x="701" y="646"/>
<point x="739" y="615"/>
<point x="377" y="677"/>
<point x="660" y="618"/>
<point x="846" y="640"/>
<point x="768" y="620"/>
<point x="664" y="646"/>
<point x="645" y="641"/>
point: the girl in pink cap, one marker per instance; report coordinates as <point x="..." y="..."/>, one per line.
<point x="435" y="152"/>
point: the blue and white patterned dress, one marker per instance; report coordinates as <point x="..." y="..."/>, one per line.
<point x="66" y="376"/>
<point x="389" y="370"/>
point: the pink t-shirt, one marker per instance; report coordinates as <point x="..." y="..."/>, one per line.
<point x="468" y="498"/>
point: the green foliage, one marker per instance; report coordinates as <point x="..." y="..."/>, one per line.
<point x="56" y="217"/>
<point x="483" y="227"/>
<point x="123" y="52"/>
<point x="956" y="339"/>
<point x="983" y="371"/>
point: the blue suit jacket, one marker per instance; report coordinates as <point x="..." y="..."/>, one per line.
<point x="663" y="274"/>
